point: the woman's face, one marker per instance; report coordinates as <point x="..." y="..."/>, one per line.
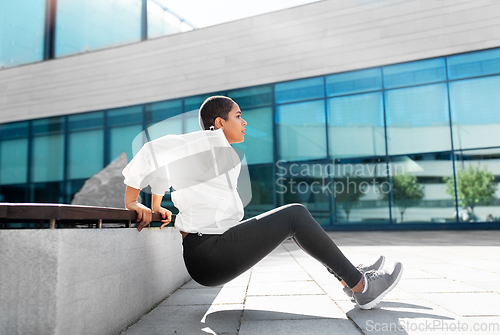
<point x="234" y="127"/>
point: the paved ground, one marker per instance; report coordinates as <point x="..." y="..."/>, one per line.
<point x="450" y="285"/>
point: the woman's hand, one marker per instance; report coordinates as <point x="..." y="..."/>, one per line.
<point x="165" y="214"/>
<point x="144" y="214"/>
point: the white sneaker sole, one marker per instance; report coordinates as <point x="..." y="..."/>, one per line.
<point x="378" y="299"/>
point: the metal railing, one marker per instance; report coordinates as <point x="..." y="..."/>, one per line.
<point x="68" y="216"/>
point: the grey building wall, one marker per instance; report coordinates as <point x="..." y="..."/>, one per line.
<point x="324" y="37"/>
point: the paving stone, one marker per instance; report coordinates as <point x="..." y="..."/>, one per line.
<point x="187" y="320"/>
<point x="335" y="291"/>
<point x="291" y="307"/>
<point x="186" y="297"/>
<point x="282" y="276"/>
<point x="194" y="285"/>
<point x="299" y="327"/>
<point x="206" y="296"/>
<point x="436" y="285"/>
<point x="278" y="267"/>
<point x="414" y="273"/>
<point x="283" y="288"/>
<point x="493" y="286"/>
<point x="401" y="317"/>
<point x="467" y="304"/>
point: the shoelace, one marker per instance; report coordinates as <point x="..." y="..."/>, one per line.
<point x="372" y="275"/>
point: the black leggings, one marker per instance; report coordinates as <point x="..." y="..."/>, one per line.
<point x="213" y="260"/>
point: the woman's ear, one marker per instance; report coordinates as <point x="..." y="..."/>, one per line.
<point x="218" y="122"/>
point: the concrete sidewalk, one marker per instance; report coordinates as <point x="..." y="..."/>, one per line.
<point x="450" y="285"/>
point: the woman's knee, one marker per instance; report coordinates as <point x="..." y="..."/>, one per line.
<point x="297" y="208"/>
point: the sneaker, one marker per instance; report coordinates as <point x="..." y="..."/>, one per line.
<point x="376" y="265"/>
<point x="380" y="282"/>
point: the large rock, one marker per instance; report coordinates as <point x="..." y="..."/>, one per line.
<point x="105" y="188"/>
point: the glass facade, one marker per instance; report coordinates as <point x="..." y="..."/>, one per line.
<point x="392" y="145"/>
<point x="84" y="25"/>
<point x="22" y="32"/>
<point x="36" y="30"/>
<point x="161" y="21"/>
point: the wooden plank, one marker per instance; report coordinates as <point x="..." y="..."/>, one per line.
<point x="42" y="211"/>
<point x="3" y="211"/>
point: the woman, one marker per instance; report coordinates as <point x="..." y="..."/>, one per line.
<point x="203" y="170"/>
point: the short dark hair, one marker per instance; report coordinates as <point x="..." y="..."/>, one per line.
<point x="214" y="107"/>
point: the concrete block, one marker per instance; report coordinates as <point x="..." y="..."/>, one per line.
<point x="85" y="281"/>
<point x="28" y="281"/>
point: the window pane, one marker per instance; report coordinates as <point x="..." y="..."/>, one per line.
<point x="86" y="121"/>
<point x="191" y="123"/>
<point x="124" y="116"/>
<point x="355" y="190"/>
<point x="120" y="140"/>
<point x="22" y="36"/>
<point x="14" y="130"/>
<point x="48" y="158"/>
<point x="53" y="125"/>
<point x="13" y="161"/>
<point x="72" y="187"/>
<point x="356" y="126"/>
<point x="299" y="90"/>
<point x="252" y="97"/>
<point x="84" y="25"/>
<point x="161" y="22"/>
<point x="475" y="112"/>
<point x="417" y="119"/>
<point x="195" y="102"/>
<point x="419" y="192"/>
<point x="415" y="73"/>
<point x="261" y="178"/>
<point x="13" y="193"/>
<point x="169" y="126"/>
<point x="301" y="130"/>
<point x="258" y="144"/>
<point x="304" y="183"/>
<point x="354" y="82"/>
<point x="85" y="153"/>
<point x="47" y="192"/>
<point x="479" y="166"/>
<point x="163" y="110"/>
<point x="474" y="64"/>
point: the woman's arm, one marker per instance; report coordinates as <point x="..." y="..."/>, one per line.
<point x="165" y="213"/>
<point x="156" y="201"/>
<point x="144" y="214"/>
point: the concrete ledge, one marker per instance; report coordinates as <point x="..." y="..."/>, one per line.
<point x="77" y="281"/>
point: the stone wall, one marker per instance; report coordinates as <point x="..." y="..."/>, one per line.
<point x="85" y="281"/>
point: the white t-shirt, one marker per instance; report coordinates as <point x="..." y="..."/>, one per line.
<point x="203" y="170"/>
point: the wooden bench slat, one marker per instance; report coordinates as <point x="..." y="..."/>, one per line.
<point x="41" y="211"/>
